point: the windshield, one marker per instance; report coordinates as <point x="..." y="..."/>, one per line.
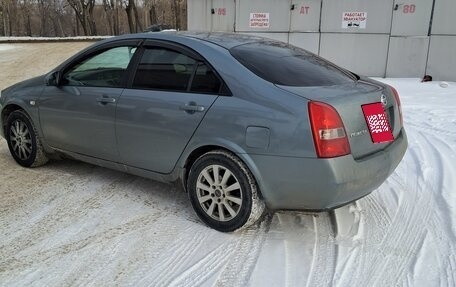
<point x="286" y="65"/>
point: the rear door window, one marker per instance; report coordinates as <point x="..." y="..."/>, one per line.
<point x="162" y="68"/>
<point x="286" y="65"/>
<point x="205" y="80"/>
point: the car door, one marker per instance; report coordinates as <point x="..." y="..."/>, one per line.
<point x="78" y="114"/>
<point x="169" y="95"/>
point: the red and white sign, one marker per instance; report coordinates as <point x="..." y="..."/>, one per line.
<point x="259" y="20"/>
<point x="356" y="20"/>
<point x="220" y="11"/>
<point x="377" y="122"/>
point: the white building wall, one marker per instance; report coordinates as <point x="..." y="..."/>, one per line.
<point x="393" y="40"/>
<point x="361" y="53"/>
<point x="407" y="56"/>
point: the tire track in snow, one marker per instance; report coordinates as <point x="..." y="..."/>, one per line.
<point x="433" y="123"/>
<point x="290" y="280"/>
<point x="373" y="225"/>
<point x="377" y="245"/>
<point x="446" y="250"/>
<point x="293" y="228"/>
<point x="406" y="232"/>
<point x="325" y="253"/>
<point x="21" y="197"/>
<point x="204" y="269"/>
<point x="144" y="253"/>
<point x="431" y="130"/>
<point x="81" y="275"/>
<point x="237" y="257"/>
<point x="239" y="268"/>
<point x="112" y="254"/>
<point x="64" y="214"/>
<point x="173" y="230"/>
<point x="379" y="216"/>
<point x="21" y="262"/>
<point x="176" y="256"/>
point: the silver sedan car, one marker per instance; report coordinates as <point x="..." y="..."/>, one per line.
<point x="245" y="123"/>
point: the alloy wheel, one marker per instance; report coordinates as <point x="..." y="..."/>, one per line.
<point x="219" y="193"/>
<point x="21" y="140"/>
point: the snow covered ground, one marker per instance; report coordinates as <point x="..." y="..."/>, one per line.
<point x="70" y="223"/>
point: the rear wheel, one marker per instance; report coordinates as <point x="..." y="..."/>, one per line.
<point x="223" y="192"/>
<point x="23" y="142"/>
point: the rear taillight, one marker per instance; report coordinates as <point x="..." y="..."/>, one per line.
<point x="328" y="131"/>
<point x="398" y="101"/>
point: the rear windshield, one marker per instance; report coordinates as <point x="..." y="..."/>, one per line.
<point x="286" y="65"/>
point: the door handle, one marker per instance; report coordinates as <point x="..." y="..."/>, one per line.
<point x="106" y="100"/>
<point x="192" y="108"/>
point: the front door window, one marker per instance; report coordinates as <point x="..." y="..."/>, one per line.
<point x="105" y="69"/>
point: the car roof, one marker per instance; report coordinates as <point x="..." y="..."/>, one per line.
<point x="225" y="40"/>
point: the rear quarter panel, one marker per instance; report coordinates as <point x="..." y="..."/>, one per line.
<point x="254" y="103"/>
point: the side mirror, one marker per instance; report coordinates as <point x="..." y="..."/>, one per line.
<point x="53" y="79"/>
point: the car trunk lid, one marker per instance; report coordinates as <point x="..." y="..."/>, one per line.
<point x="348" y="100"/>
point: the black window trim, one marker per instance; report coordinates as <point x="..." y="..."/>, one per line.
<point x="154" y="43"/>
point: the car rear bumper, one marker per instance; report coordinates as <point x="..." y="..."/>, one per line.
<point x="319" y="184"/>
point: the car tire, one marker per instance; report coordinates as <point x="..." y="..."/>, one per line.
<point x="23" y="142"/>
<point x="223" y="192"/>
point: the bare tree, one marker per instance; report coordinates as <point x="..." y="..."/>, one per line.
<point x="43" y="9"/>
<point x="176" y="13"/>
<point x="84" y="13"/>
<point x="134" y="23"/>
<point x="112" y="12"/>
<point x="139" y="26"/>
<point x="26" y="7"/>
<point x="8" y="13"/>
<point x="58" y="13"/>
<point x="3" y="16"/>
<point x="87" y="17"/>
<point x="151" y="6"/>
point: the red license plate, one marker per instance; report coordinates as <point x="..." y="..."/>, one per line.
<point x="377" y="122"/>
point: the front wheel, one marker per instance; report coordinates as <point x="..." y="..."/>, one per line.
<point x="23" y="142"/>
<point x="223" y="192"/>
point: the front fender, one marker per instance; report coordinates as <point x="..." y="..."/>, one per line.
<point x="27" y="99"/>
<point x="16" y="103"/>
